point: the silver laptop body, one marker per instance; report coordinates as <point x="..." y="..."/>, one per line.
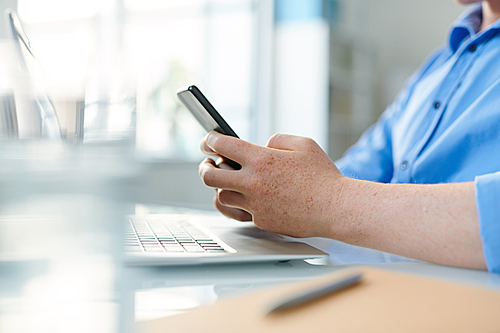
<point x="190" y="239"/>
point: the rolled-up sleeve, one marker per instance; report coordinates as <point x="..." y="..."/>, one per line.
<point x="487" y="191"/>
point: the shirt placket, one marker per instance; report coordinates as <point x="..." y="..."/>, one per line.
<point x="464" y="58"/>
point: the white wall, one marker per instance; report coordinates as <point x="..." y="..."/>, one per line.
<point x="386" y="41"/>
<point x="301" y="83"/>
<point x="401" y="32"/>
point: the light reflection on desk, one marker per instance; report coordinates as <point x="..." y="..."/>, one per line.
<point x="162" y="302"/>
<point x="61" y="220"/>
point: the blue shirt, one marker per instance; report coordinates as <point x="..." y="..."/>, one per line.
<point x="444" y="126"/>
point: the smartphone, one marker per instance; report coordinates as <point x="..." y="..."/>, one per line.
<point x="206" y="114"/>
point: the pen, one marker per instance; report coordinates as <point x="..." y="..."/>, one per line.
<point x="316" y="293"/>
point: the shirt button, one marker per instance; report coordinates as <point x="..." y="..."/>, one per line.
<point x="404" y="165"/>
<point x="472" y="47"/>
<point x="437" y="105"/>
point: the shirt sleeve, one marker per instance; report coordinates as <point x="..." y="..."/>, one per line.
<point x="487" y="192"/>
<point x="371" y="157"/>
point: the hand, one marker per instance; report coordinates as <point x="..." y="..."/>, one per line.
<point x="287" y="187"/>
<point x="291" y="187"/>
<point x="233" y="213"/>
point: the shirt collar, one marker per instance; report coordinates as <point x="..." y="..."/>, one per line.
<point x="467" y="25"/>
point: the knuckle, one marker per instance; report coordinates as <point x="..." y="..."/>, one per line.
<point x="254" y="206"/>
<point x="254" y="184"/>
<point x="258" y="160"/>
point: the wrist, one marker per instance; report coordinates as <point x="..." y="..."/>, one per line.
<point x="347" y="221"/>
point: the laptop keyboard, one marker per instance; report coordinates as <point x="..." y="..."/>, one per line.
<point x="165" y="235"/>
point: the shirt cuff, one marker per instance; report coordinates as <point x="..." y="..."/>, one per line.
<point x="487" y="192"/>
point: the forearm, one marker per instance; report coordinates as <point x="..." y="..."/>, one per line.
<point x="435" y="223"/>
<point x="291" y="187"/>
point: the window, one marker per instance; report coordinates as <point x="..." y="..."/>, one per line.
<point x="125" y="59"/>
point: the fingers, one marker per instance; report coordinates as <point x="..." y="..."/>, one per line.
<point x="231" y="212"/>
<point x="231" y="198"/>
<point x="216" y="177"/>
<point x="290" y="142"/>
<point x="227" y="146"/>
<point x="205" y="148"/>
<point x="224" y="163"/>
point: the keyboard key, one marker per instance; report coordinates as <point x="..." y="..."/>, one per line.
<point x="193" y="249"/>
<point x="181" y="236"/>
<point x="185" y="240"/>
<point x="212" y="248"/>
<point x="174" y="249"/>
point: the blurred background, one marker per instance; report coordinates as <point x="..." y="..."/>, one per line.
<point x="324" y="69"/>
<point x="110" y="70"/>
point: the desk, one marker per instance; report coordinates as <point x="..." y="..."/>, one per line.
<point x="167" y="291"/>
<point x="62" y="272"/>
<point x="91" y="292"/>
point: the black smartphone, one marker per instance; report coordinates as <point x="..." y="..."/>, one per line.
<point x="206" y="114"/>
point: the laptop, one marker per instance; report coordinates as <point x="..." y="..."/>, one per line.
<point x="168" y="239"/>
<point x="190" y="239"/>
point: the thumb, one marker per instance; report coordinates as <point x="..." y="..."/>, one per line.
<point x="290" y="142"/>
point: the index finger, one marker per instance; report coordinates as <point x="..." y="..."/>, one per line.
<point x="230" y="147"/>
<point x="216" y="177"/>
<point x="205" y="148"/>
